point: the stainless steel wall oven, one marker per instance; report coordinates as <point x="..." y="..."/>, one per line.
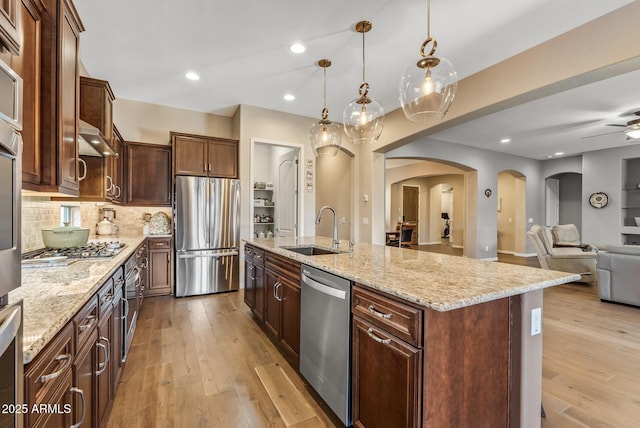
<point x="10" y="179"/>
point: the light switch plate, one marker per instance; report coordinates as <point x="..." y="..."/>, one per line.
<point x="536" y="321"/>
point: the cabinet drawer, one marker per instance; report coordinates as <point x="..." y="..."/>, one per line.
<point x="86" y="321"/>
<point x="105" y="296"/>
<point x="400" y="319"/>
<point x="248" y="251"/>
<point x="282" y="266"/>
<point x="258" y="257"/>
<point x="47" y="371"/>
<point x="159" y="243"/>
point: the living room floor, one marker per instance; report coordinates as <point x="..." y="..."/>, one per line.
<point x="203" y="362"/>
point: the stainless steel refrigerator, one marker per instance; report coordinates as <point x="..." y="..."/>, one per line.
<point x="207" y="235"/>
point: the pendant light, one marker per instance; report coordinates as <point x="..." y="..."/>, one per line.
<point x="428" y="86"/>
<point x="325" y="136"/>
<point x="363" y="118"/>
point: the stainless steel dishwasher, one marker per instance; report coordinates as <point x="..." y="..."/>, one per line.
<point x="325" y="338"/>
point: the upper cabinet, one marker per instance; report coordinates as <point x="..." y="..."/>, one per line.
<point x="96" y="104"/>
<point x="10" y="25"/>
<point x="204" y="156"/>
<point x="27" y="64"/>
<point x="52" y="150"/>
<point x="147" y="174"/>
<point x="114" y="169"/>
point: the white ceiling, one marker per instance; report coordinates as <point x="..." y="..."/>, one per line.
<point x="240" y="49"/>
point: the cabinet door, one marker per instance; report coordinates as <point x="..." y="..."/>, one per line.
<point x="27" y="65"/>
<point x="114" y="171"/>
<point x="223" y="159"/>
<point x="259" y="292"/>
<point x="93" y="187"/>
<point x="10" y="25"/>
<point x="148" y="174"/>
<point x="117" y="336"/>
<point x="104" y="387"/>
<point x="249" y="281"/>
<point x="160" y="273"/>
<point x="96" y="104"/>
<point x="84" y="369"/>
<point x="386" y="381"/>
<point x="271" y="304"/>
<point x="61" y="399"/>
<point x="190" y="155"/>
<point x="69" y="100"/>
<point x="289" y="293"/>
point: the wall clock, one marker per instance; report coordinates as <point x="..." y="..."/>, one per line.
<point x="598" y="200"/>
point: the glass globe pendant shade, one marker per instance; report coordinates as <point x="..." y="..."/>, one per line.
<point x="426" y="92"/>
<point x="363" y="120"/>
<point x="325" y="138"/>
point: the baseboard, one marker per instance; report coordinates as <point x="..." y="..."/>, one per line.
<point x="525" y="254"/>
<point x="430" y="243"/>
<point x="506" y="252"/>
<point x="456" y="246"/>
<point x="490" y="259"/>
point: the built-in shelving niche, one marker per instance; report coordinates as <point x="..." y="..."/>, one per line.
<point x="630" y="201"/>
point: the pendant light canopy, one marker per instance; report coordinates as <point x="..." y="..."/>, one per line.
<point x="428" y="86"/>
<point x="325" y="136"/>
<point x="363" y="118"/>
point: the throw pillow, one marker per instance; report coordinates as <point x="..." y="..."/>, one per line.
<point x="566" y="235"/>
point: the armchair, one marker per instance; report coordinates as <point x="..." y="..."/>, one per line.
<point x="564" y="259"/>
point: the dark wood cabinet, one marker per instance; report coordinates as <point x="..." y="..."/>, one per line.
<point x="387" y="379"/>
<point x="10" y="25"/>
<point x="148" y="174"/>
<point x="160" y="267"/>
<point x="104" y="375"/>
<point x="114" y="173"/>
<point x="254" y="293"/>
<point x="96" y="104"/>
<point x="204" y="156"/>
<point x="118" y="332"/>
<point x="27" y="65"/>
<point x="84" y="368"/>
<point x="282" y="303"/>
<point x="61" y="27"/>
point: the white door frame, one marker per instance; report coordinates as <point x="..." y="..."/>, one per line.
<point x="301" y="192"/>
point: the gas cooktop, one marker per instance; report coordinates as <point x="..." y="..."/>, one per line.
<point x="49" y="257"/>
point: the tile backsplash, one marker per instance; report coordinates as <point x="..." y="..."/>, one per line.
<point x="39" y="212"/>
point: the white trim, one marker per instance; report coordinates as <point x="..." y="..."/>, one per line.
<point x="506" y="252"/>
<point x="457" y="246"/>
<point x="430" y="243"/>
<point x="490" y="259"/>
<point x="525" y="254"/>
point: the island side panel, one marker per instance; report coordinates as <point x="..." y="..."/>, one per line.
<point x="468" y="352"/>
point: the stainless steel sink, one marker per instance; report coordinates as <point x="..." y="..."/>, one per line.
<point x="312" y="250"/>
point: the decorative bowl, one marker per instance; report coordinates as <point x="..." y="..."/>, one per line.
<point x="65" y="237"/>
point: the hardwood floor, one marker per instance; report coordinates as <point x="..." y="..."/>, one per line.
<point x="193" y="364"/>
<point x="203" y="362"/>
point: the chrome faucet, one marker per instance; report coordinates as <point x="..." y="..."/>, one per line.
<point x="344" y="220"/>
<point x="335" y="243"/>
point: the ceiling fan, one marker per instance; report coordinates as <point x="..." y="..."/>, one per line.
<point x="632" y="128"/>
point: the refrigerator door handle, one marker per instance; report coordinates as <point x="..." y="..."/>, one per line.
<point x="216" y="256"/>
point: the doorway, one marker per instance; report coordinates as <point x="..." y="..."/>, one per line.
<point x="276" y="199"/>
<point x="511" y="207"/>
<point x="411" y="209"/>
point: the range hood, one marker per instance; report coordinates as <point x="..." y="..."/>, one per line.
<point x="92" y="142"/>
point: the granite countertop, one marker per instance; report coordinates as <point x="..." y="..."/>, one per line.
<point x="52" y="296"/>
<point x="437" y="281"/>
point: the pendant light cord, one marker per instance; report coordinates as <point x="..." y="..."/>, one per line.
<point x="324" y="69"/>
<point x="428" y="19"/>
<point x="363" y="63"/>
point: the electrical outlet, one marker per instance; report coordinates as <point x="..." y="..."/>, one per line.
<point x="536" y="321"/>
<point x="530" y="219"/>
<point x="486" y="248"/>
<point x="365" y="220"/>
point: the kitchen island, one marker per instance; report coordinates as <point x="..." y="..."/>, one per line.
<point x="459" y="349"/>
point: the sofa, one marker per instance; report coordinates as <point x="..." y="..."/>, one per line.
<point x="573" y="258"/>
<point x="618" y="271"/>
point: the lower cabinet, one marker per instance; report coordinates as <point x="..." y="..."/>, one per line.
<point x="84" y="368"/>
<point x="272" y="291"/>
<point x="160" y="267"/>
<point x="104" y="376"/>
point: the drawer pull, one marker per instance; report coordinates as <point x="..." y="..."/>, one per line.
<point x="107" y="354"/>
<point x="106" y="298"/>
<point x="67" y="362"/>
<point x="120" y="281"/>
<point x="91" y="320"/>
<point x="378" y="339"/>
<point x="379" y="314"/>
<point x="81" y="392"/>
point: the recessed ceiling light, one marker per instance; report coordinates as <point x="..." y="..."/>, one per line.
<point x="192" y="75"/>
<point x="558" y="153"/>
<point x="297" y="48"/>
<point x="550" y="156"/>
<point x="505" y="140"/>
<point x="289" y="97"/>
